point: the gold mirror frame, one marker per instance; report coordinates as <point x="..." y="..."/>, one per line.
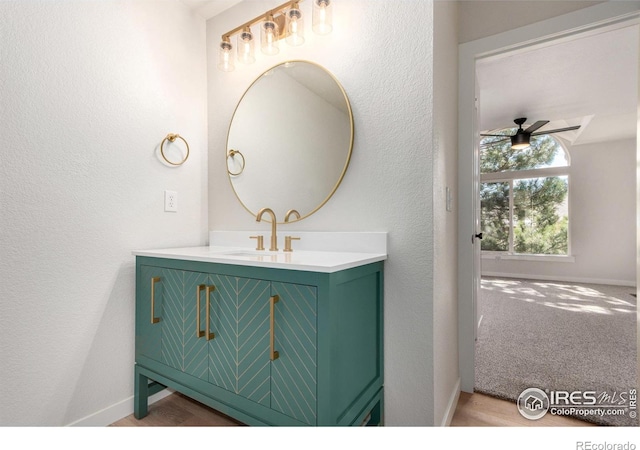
<point x="235" y="153"/>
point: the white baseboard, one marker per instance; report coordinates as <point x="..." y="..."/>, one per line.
<point x="528" y="276"/>
<point x="113" y="413"/>
<point x="451" y="407"/>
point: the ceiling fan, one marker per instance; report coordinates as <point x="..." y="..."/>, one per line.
<point x="522" y="138"/>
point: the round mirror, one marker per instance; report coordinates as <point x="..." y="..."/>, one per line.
<point x="290" y="141"/>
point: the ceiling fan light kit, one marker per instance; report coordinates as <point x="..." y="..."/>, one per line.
<point x="520" y="141"/>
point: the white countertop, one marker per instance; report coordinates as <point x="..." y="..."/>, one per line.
<point x="314" y="252"/>
<point x="311" y="261"/>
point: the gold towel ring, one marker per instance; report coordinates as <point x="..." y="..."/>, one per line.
<point x="172" y="137"/>
<point x="231" y="154"/>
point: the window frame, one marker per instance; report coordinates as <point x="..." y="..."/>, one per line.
<point x="509" y="176"/>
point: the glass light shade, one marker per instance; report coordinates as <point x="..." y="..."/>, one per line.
<point x="295" y="27"/>
<point x="269" y="37"/>
<point x="245" y="46"/>
<point x="225" y="57"/>
<point x="322" y="17"/>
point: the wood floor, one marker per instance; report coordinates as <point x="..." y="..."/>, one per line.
<point x="177" y="410"/>
<point x="473" y="410"/>
<point x="477" y="410"/>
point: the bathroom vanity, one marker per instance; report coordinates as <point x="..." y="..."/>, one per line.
<point x="268" y="338"/>
<point x="279" y="337"/>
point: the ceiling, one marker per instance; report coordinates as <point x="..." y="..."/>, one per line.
<point x="590" y="81"/>
<point x="209" y="8"/>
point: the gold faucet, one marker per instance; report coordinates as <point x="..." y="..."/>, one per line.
<point x="289" y="213"/>
<point x="274" y="237"/>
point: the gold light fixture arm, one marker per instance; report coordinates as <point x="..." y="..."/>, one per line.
<point x="273" y="12"/>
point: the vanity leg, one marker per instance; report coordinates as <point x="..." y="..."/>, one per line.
<point x="377" y="419"/>
<point x="140" y="395"/>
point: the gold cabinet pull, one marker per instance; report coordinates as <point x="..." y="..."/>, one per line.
<point x="154" y="280"/>
<point x="208" y="290"/>
<point x="199" y="332"/>
<point x="272" y="306"/>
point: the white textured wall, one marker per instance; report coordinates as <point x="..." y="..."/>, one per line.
<point x="445" y="161"/>
<point x="87" y="92"/>
<point x="602" y="205"/>
<point x="389" y="183"/>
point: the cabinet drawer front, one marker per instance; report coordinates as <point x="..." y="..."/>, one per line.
<point x="239" y="354"/>
<point x="294" y="373"/>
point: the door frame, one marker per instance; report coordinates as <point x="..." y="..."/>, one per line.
<point x="588" y="20"/>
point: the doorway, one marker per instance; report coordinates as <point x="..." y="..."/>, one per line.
<point x="592" y="20"/>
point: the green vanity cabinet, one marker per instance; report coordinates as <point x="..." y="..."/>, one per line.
<point x="263" y="345"/>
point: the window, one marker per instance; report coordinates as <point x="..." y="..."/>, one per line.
<point x="523" y="196"/>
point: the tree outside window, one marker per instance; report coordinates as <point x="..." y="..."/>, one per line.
<point x="524" y="195"/>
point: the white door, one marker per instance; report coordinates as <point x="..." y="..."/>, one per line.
<point x="477" y="222"/>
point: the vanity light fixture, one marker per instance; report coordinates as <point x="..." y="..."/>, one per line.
<point x="285" y="21"/>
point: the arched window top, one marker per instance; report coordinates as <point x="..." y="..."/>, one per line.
<point x="496" y="154"/>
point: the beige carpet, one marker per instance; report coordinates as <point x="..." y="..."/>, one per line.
<point x="557" y="336"/>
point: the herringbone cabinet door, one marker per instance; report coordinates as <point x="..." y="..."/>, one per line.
<point x="294" y="373"/>
<point x="239" y="354"/>
<point x="182" y="349"/>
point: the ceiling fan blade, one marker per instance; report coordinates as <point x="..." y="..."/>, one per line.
<point x="535" y="126"/>
<point x="495" y="135"/>
<point x="557" y="130"/>
<point x="496" y="141"/>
